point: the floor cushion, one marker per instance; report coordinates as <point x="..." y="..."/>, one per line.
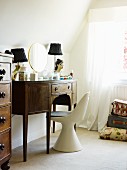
<point x="113" y="133"/>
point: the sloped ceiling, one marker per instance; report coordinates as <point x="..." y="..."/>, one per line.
<point x="28" y="21"/>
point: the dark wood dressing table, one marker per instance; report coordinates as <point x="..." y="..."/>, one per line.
<point x="33" y="97"/>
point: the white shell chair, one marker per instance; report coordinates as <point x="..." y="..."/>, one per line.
<point x="68" y="140"/>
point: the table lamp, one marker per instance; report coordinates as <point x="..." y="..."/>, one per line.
<point x="55" y="49"/>
<point x="19" y="56"/>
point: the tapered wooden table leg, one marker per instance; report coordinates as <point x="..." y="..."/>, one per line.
<point x="25" y="129"/>
<point x="48" y="131"/>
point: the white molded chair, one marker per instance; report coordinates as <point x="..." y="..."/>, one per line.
<point x="68" y="140"/>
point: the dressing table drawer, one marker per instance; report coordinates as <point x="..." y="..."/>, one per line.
<point x="61" y="88"/>
<point x="4" y="93"/>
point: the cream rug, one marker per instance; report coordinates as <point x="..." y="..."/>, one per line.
<point x="97" y="154"/>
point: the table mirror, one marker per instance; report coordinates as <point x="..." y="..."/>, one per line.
<point x="37" y="57"/>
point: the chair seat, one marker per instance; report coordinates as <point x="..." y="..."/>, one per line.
<point x="59" y="114"/>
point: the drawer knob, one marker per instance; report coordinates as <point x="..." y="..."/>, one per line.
<point x="2" y="94"/>
<point x="2" y="72"/>
<point x="56" y="88"/>
<point x="1" y="146"/>
<point x="2" y="119"/>
<point x="1" y="78"/>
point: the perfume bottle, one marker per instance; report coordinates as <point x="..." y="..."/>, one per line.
<point x="71" y="73"/>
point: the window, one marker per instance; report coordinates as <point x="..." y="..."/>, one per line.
<point x="109" y="40"/>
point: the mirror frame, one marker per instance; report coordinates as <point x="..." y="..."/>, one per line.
<point x="30" y="55"/>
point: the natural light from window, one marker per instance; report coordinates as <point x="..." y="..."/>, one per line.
<point x="108" y="45"/>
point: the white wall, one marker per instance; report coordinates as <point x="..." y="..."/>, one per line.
<point x="27" y="21"/>
<point x="78" y="59"/>
<point x="109" y="3"/>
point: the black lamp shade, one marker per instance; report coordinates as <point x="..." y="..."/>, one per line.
<point x="19" y="55"/>
<point x="55" y="49"/>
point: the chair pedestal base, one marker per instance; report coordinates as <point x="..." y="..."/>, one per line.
<point x="67" y="140"/>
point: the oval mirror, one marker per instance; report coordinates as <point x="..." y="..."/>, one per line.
<point x="37" y="57"/>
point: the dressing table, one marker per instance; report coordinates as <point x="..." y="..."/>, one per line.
<point x="34" y="97"/>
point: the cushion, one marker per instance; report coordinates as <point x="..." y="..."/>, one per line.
<point x="113" y="133"/>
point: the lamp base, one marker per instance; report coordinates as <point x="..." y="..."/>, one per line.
<point x="15" y="72"/>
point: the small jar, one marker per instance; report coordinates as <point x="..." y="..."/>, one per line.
<point x="33" y="76"/>
<point x="23" y="74"/>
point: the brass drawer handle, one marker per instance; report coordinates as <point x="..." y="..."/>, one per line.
<point x="2" y="94"/>
<point x="1" y="146"/>
<point x="2" y="119"/>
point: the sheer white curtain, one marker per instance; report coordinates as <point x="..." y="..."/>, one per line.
<point x="105" y="48"/>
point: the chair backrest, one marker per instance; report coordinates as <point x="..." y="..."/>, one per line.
<point x="78" y="113"/>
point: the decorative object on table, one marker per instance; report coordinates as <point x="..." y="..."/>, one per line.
<point x="34" y="77"/>
<point x="58" y="65"/>
<point x="55" y="49"/>
<point x="37" y="57"/>
<point x="23" y="74"/>
<point x="68" y="77"/>
<point x="58" y="68"/>
<point x="19" y="56"/>
<point x="72" y="73"/>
